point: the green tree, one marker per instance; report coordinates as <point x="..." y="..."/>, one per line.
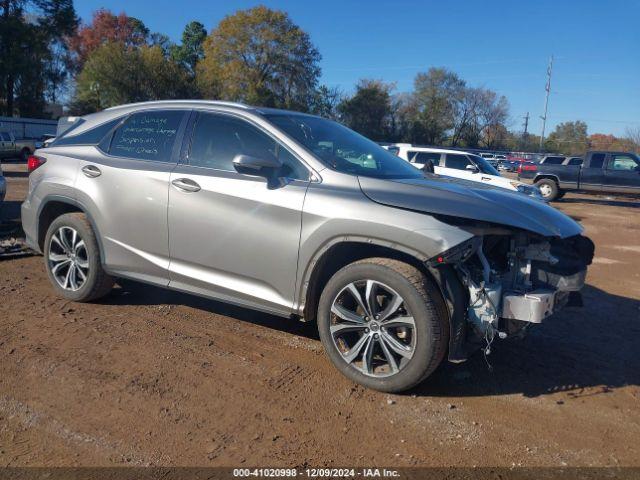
<point x="116" y="73"/>
<point x="191" y="50"/>
<point x="259" y="56"/>
<point x="434" y="104"/>
<point x="369" y="111"/>
<point x="325" y="102"/>
<point x="568" y="137"/>
<point x="29" y="31"/>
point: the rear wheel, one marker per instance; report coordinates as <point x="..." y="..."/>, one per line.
<point x="72" y="259"/>
<point x="548" y="188"/>
<point x="383" y="324"/>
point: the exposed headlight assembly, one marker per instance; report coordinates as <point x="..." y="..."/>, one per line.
<point x="527" y="189"/>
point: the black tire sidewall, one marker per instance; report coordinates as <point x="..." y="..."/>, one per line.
<point x="93" y="256"/>
<point x="554" y="188"/>
<point x="425" y="348"/>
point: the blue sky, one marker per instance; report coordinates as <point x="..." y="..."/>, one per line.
<point x="502" y="45"/>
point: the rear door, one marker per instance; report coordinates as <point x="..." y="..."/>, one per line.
<point x="232" y="236"/>
<point x="592" y="174"/>
<point x="124" y="185"/>
<point x="622" y="174"/>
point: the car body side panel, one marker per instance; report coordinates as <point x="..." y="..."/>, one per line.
<point x="55" y="179"/>
<point x="128" y="203"/>
<point x="337" y="211"/>
<point x="235" y="237"/>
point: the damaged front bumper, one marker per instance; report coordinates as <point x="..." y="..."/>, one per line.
<point x="508" y="280"/>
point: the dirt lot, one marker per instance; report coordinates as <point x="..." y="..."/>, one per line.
<point x="151" y="377"/>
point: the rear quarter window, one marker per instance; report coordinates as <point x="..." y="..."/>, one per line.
<point x="93" y="136"/>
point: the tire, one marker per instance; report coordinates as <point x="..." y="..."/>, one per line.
<point x="548" y="188"/>
<point x="24" y="154"/>
<point x="84" y="255"/>
<point x="421" y="302"/>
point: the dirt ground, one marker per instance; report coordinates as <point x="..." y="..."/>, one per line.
<point x="151" y="377"/>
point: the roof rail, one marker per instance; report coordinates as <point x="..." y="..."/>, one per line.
<point x="163" y="102"/>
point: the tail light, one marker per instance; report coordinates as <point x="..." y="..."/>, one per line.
<point x="34" y="162"/>
<point x="527" y="167"/>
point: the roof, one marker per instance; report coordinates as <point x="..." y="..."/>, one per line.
<point x="183" y="102"/>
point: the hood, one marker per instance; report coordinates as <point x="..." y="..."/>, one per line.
<point x="464" y="199"/>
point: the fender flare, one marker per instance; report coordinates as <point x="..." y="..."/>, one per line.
<point x="75" y="203"/>
<point x="303" y="286"/>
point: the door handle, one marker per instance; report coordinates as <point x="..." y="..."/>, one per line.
<point x="91" y="171"/>
<point x="185" y="185"/>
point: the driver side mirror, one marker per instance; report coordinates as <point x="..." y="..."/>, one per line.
<point x="263" y="166"/>
<point x="472" y="168"/>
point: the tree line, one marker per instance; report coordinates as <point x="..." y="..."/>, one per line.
<point x="258" y="56"/>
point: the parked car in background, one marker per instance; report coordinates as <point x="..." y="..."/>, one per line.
<point x="491" y="158"/>
<point x="598" y="172"/>
<point x="463" y="165"/>
<point x="299" y="216"/>
<point x="12" y="148"/>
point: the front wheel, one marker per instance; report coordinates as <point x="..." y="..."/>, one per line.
<point x="383" y="324"/>
<point x="548" y="188"/>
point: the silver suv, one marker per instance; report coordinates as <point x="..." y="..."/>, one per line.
<point x="301" y="217"/>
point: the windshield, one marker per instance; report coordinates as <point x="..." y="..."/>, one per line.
<point x="483" y="165"/>
<point x="342" y="149"/>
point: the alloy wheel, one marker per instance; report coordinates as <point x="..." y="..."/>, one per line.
<point x="372" y="328"/>
<point x="68" y="259"/>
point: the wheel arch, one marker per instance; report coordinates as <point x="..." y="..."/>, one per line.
<point x="52" y="207"/>
<point x="340" y="252"/>
<point x="547" y="176"/>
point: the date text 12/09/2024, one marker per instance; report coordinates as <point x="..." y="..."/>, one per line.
<point x="316" y="472"/>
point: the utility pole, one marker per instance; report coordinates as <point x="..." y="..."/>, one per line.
<point x="546" y="100"/>
<point x="525" y="132"/>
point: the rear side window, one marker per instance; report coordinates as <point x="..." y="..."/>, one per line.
<point x="575" y="161"/>
<point x="217" y="139"/>
<point x="459" y="162"/>
<point x="424" y="157"/>
<point x="93" y="136"/>
<point x="553" y="160"/>
<point x="597" y="160"/>
<point x="147" y="135"/>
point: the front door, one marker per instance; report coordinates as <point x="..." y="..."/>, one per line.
<point x="622" y="174"/>
<point x="232" y="236"/>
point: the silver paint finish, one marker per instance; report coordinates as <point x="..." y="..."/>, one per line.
<point x="230" y="236"/>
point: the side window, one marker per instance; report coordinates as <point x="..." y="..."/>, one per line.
<point x="423" y="157"/>
<point x="92" y="136"/>
<point x="217" y="139"/>
<point x="459" y="162"/>
<point x="575" y="161"/>
<point x="147" y="135"/>
<point x="622" y="162"/>
<point x="597" y="160"/>
<point x="554" y="160"/>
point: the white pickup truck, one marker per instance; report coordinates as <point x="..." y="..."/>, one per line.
<point x="459" y="164"/>
<point x="12" y="148"/>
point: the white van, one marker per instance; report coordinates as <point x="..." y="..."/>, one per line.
<point x="458" y="164"/>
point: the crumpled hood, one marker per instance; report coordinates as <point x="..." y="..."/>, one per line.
<point x="460" y="198"/>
